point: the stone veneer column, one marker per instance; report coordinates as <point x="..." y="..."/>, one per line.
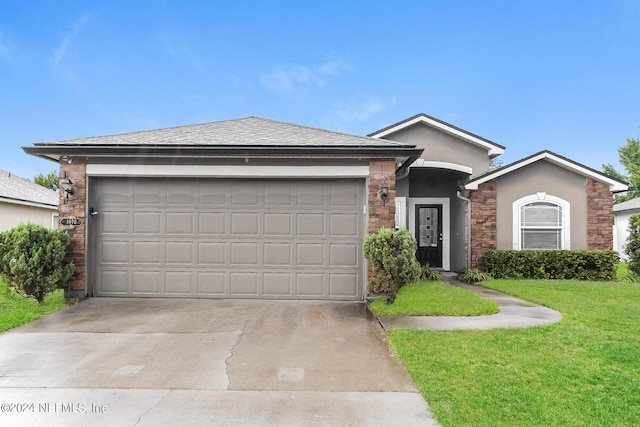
<point x="599" y="216"/>
<point x="483" y="222"/>
<point x="75" y="206"/>
<point x="382" y="216"/>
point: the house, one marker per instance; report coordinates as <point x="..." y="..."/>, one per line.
<point x="22" y="201"/>
<point x="256" y="208"/>
<point x="622" y="213"/>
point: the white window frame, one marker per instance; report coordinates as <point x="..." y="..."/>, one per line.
<point x="401" y="212"/>
<point x="565" y="240"/>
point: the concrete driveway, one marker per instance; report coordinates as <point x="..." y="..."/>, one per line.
<point x="150" y="362"/>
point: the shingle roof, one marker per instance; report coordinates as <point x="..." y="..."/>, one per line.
<point x="19" y="190"/>
<point x="248" y="131"/>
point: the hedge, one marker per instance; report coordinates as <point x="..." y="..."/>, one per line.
<point x="552" y="264"/>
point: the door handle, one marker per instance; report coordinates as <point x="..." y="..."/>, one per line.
<point x="93" y="212"/>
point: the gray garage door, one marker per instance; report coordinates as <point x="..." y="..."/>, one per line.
<point x="219" y="238"/>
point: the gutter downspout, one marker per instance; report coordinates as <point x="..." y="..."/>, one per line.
<point x="468" y="230"/>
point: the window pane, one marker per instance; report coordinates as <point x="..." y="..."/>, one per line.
<point x="541" y="239"/>
<point x="541" y="215"/>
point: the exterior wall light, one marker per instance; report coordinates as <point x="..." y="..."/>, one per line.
<point x="67" y="186"/>
<point x="384" y="192"/>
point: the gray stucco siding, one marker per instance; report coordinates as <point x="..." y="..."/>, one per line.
<point x="441" y="147"/>
<point x="544" y="177"/>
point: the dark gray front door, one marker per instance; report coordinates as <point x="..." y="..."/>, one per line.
<point x="429" y="234"/>
<point x="228" y="238"/>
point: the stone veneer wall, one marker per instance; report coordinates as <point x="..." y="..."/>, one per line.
<point x="75" y="206"/>
<point x="599" y="216"/>
<point x="382" y="215"/>
<point x="483" y="222"/>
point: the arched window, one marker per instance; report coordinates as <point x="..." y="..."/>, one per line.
<point x="541" y="221"/>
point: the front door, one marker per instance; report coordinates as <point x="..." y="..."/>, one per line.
<point x="429" y="234"/>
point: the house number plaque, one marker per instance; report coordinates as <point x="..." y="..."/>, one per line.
<point x="71" y="221"/>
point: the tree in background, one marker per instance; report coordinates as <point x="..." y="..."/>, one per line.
<point x="630" y="159"/>
<point x="48" y="181"/>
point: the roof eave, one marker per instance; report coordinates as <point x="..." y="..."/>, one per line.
<point x="55" y="152"/>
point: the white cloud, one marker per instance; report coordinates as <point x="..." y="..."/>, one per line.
<point x="293" y="79"/>
<point x="360" y="109"/>
<point x="60" y="51"/>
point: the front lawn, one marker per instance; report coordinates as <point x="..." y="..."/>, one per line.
<point x="434" y="299"/>
<point x="16" y="310"/>
<point x="581" y="371"/>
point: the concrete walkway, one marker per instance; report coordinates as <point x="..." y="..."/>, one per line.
<point x="513" y="313"/>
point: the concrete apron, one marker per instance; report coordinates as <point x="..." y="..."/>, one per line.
<point x="149" y="362"/>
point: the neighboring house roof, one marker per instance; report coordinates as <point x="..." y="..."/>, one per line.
<point x="632" y="205"/>
<point x="249" y="136"/>
<point x="492" y="148"/>
<point x="616" y="185"/>
<point x="20" y="191"/>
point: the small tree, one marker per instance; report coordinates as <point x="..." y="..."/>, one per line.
<point x="31" y="259"/>
<point x="48" y="181"/>
<point x="392" y="257"/>
<point x="632" y="248"/>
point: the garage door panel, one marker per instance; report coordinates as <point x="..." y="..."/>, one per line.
<point x="310" y="224"/>
<point x="310" y="284"/>
<point x="278" y="224"/>
<point x="277" y="254"/>
<point x="310" y="254"/>
<point x="343" y="285"/>
<point x="181" y="193"/>
<point x="114" y="222"/>
<point x="211" y="284"/>
<point x="212" y="193"/>
<point x="178" y="282"/>
<point x="278" y="194"/>
<point x="114" y="252"/>
<point x="244" y="284"/>
<point x="343" y="255"/>
<point x="344" y="225"/>
<point x="211" y="253"/>
<point x="214" y="223"/>
<point x="114" y="282"/>
<point x="180" y="223"/>
<point x="277" y="284"/>
<point x="229" y="238"/>
<point x="148" y="192"/>
<point x="147" y="223"/>
<point x="245" y="193"/>
<point x="344" y="194"/>
<point x="311" y="194"/>
<point x="244" y="254"/>
<point x="146" y="252"/>
<point x="245" y="223"/>
<point x="179" y="253"/>
<point x="146" y="282"/>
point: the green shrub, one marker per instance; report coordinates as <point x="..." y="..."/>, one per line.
<point x="31" y="260"/>
<point x="473" y="276"/>
<point x="392" y="257"/>
<point x="429" y="274"/>
<point x="552" y="264"/>
<point x="632" y="248"/>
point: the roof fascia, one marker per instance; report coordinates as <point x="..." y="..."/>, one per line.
<point x="28" y="203"/>
<point x="493" y="149"/>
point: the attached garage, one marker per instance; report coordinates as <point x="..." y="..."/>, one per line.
<point x="229" y="238"/>
<point x="242" y="208"/>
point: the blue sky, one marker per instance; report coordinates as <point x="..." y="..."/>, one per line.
<point x="527" y="74"/>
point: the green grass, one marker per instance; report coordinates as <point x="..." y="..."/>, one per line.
<point x="623" y="271"/>
<point x="582" y="371"/>
<point x="434" y="299"/>
<point x="16" y="310"/>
